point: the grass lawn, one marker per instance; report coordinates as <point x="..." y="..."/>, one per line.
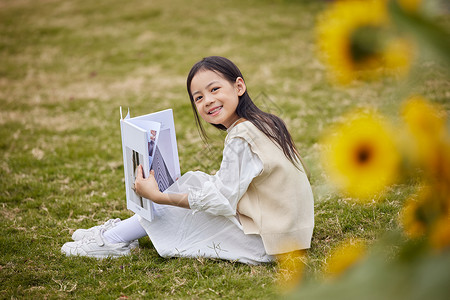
<point x="67" y="66"/>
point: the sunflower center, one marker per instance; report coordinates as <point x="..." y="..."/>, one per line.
<point x="365" y="42"/>
<point x="363" y="154"/>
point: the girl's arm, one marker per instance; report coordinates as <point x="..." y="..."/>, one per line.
<point x="219" y="194"/>
<point x="148" y="188"/>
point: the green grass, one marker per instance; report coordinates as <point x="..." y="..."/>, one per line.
<point x="67" y="66"/>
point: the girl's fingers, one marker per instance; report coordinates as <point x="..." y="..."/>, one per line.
<point x="139" y="172"/>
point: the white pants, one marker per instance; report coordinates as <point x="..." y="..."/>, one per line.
<point x="177" y="232"/>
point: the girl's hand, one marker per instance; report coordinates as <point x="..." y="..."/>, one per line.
<point x="147" y="187"/>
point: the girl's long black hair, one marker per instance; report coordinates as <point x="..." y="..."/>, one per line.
<point x="272" y="126"/>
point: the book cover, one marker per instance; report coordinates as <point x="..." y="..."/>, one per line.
<point x="150" y="141"/>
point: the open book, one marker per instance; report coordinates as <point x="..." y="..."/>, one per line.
<point x="150" y="141"/>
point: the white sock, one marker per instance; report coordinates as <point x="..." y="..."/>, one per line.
<point x="125" y="231"/>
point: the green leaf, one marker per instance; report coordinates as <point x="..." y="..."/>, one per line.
<point x="427" y="33"/>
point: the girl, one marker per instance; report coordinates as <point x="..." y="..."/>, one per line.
<point x="258" y="204"/>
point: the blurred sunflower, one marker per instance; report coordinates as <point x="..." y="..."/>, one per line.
<point x="428" y="214"/>
<point x="412" y="219"/>
<point x="345" y="256"/>
<point x="360" y="155"/>
<point x="410" y="5"/>
<point x="440" y="233"/>
<point x="290" y="269"/>
<point x="423" y="118"/>
<point x="429" y="144"/>
<point x="355" y="41"/>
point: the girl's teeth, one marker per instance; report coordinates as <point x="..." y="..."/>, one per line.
<point x="213" y="111"/>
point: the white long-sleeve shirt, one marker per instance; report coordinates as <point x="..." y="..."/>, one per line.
<point x="210" y="228"/>
<point x="219" y="194"/>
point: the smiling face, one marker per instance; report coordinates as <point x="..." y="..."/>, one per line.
<point x="216" y="98"/>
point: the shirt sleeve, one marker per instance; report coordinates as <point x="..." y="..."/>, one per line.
<point x="219" y="194"/>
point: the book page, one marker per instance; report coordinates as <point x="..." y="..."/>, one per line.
<point x="149" y="140"/>
<point x="138" y="148"/>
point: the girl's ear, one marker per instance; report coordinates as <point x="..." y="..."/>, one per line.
<point x="240" y="86"/>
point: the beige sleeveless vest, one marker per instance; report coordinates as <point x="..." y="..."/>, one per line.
<point x="279" y="203"/>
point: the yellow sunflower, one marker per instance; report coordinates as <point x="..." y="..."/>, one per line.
<point x="429" y="145"/>
<point x="427" y="214"/>
<point x="412" y="220"/>
<point x="345" y="256"/>
<point x="410" y="5"/>
<point x="354" y="41"/>
<point x="290" y="269"/>
<point x="440" y="233"/>
<point x="360" y="155"/>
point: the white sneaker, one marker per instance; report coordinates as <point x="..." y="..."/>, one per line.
<point x="96" y="246"/>
<point x="80" y="234"/>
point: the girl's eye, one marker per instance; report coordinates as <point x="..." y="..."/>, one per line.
<point x="214" y="89"/>
<point x="198" y="98"/>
